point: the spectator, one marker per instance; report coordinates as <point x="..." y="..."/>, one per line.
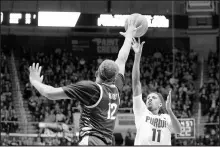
<point x="14" y="142"/>
<point x="129" y="138"/>
<point x="157" y="74"/>
<point x="39" y="142"/>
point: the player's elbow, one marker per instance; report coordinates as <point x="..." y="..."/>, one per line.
<point x="55" y="93"/>
<point x="49" y="96"/>
<point x="136" y="83"/>
<point x="48" y="93"/>
<point x="135" y="76"/>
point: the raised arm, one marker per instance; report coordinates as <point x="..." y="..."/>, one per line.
<point x="46" y="90"/>
<point x="125" y="49"/>
<point x="136" y="84"/>
<point x="49" y="92"/>
<point x="87" y="92"/>
<point x="138" y="104"/>
<point x="174" y="123"/>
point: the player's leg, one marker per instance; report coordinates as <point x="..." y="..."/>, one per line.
<point x="91" y="141"/>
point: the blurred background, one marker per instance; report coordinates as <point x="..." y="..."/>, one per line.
<point x="71" y="38"/>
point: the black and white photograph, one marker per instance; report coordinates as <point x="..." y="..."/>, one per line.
<point x="110" y="73"/>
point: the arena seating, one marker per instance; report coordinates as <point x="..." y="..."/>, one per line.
<point x="211" y="89"/>
<point x="7" y="109"/>
<point x="61" y="68"/>
<point x="209" y="97"/>
<point x="36" y="141"/>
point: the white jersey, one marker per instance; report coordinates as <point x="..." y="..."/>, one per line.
<point x="151" y="129"/>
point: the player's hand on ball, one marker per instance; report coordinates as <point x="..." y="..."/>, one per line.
<point x="168" y="102"/>
<point x="35" y="71"/>
<point x="137" y="46"/>
<point x="132" y="29"/>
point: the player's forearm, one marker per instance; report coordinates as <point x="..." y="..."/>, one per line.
<point x="50" y="92"/>
<point x="125" y="50"/>
<point x="136" y="70"/>
<point x="175" y="123"/>
<point x="42" y="88"/>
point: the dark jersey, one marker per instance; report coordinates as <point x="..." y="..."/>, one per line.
<point x="100" y="104"/>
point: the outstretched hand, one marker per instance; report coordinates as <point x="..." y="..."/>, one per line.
<point x="137" y="46"/>
<point x="35" y="71"/>
<point x="168" y="102"/>
<point x="132" y="29"/>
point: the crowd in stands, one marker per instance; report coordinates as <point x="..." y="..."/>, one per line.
<point x="156" y="75"/>
<point x="8" y="112"/>
<point x="36" y="141"/>
<point x="209" y="98"/>
<point x="209" y="93"/>
<point x="62" y="68"/>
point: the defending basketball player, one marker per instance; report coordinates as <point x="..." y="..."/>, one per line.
<point x="99" y="100"/>
<point x="154" y="126"/>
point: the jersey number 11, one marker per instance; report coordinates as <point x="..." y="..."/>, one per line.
<point x="158" y="132"/>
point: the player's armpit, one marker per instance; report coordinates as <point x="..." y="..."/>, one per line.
<point x="139" y="106"/>
<point x="139" y="109"/>
<point x="119" y="82"/>
<point x="121" y="65"/>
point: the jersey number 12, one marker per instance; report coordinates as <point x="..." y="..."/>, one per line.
<point x="111" y="111"/>
<point x="158" y="132"/>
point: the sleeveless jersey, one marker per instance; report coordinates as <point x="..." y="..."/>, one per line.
<point x="99" y="119"/>
<point x="151" y="129"/>
<point x="99" y="103"/>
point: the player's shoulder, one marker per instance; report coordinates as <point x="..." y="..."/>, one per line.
<point x="88" y="84"/>
<point x="165" y="116"/>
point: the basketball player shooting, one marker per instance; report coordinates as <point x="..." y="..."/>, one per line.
<point x="154" y="126"/>
<point x="99" y="100"/>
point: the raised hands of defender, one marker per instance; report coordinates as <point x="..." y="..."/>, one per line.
<point x="168" y="102"/>
<point x="132" y="29"/>
<point x="35" y="71"/>
<point x="137" y="46"/>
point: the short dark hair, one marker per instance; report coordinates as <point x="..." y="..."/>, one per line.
<point x="108" y="70"/>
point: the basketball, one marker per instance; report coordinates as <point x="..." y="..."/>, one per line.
<point x="141" y="20"/>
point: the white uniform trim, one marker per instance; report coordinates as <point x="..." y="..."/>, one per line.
<point x="84" y="141"/>
<point x="100" y="98"/>
<point x="112" y="85"/>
